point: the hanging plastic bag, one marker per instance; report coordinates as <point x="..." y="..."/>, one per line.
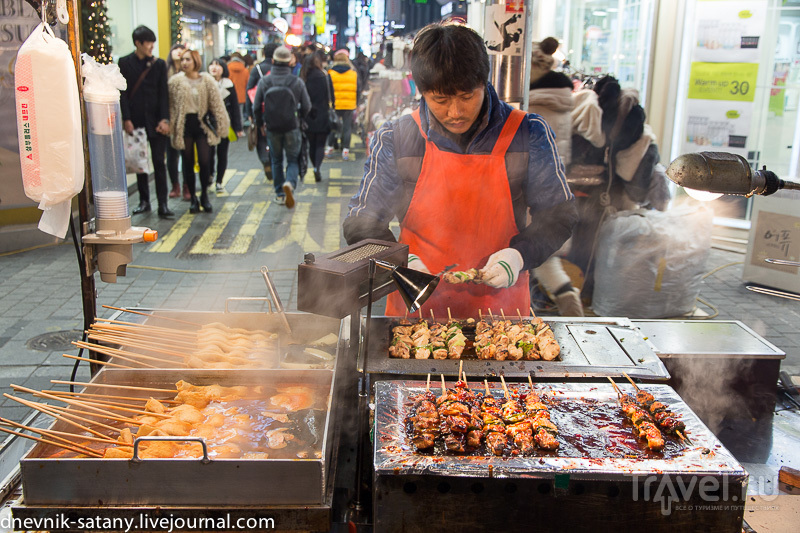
<point x="136" y="160"/>
<point x="650" y="264"/>
<point x="49" y="127"/>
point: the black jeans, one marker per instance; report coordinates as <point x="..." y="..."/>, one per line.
<point x="347" y="128"/>
<point x="261" y="148"/>
<point x="221" y="151"/>
<point x="173" y="156"/>
<point x="193" y="136"/>
<point x="158" y="145"/>
<point x="316" y="148"/>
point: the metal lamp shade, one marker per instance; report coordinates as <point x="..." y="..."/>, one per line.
<point x="415" y="287"/>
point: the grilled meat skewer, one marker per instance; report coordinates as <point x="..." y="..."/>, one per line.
<point x="426" y="422"/>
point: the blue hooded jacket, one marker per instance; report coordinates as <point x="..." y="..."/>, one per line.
<point x="544" y="207"/>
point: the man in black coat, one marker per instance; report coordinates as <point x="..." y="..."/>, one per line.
<point x="145" y="104"/>
<point x="256" y="73"/>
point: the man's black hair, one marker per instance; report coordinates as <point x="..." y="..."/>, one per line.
<point x="143" y="34"/>
<point x="448" y="59"/>
<point x="269" y="49"/>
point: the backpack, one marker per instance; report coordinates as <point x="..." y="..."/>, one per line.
<point x="280" y="109"/>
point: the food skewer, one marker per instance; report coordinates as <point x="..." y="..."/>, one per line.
<point x="121" y="354"/>
<point x="95" y="361"/>
<point x="453" y="416"/>
<point x="493" y="426"/>
<point x="517" y="427"/>
<point x="46" y="410"/>
<point x="538" y="416"/>
<point x="120" y="325"/>
<point x="110" y="397"/>
<point x="425" y="420"/>
<point x="157" y="346"/>
<point x="11" y="423"/>
<point x="642" y="421"/>
<point x="86" y="403"/>
<point x="666" y="420"/>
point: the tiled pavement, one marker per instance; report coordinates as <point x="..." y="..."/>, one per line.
<point x="40" y="288"/>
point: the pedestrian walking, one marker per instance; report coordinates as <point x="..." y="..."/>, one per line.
<point x="281" y="94"/>
<point x="219" y="71"/>
<point x="145" y="104"/>
<point x="198" y="118"/>
<point x="257" y="72"/>
<point x="173" y="156"/>
<point x="320" y="92"/>
<point x="345" y="88"/>
<point x="239" y="74"/>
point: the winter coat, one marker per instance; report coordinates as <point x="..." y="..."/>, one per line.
<point x="345" y="85"/>
<point x="536" y="178"/>
<point x="282" y="75"/>
<point x="239" y="74"/>
<point x="551" y="97"/>
<point x="150" y="104"/>
<point x="210" y="101"/>
<point x="228" y="93"/>
<point x="319" y="87"/>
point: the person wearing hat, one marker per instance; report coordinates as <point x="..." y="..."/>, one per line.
<point x="257" y="72"/>
<point x="345" y="95"/>
<point x="280" y="123"/>
<point x="472" y="181"/>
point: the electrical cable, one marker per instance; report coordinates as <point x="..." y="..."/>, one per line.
<point x="714" y="271"/>
<point x="81" y="263"/>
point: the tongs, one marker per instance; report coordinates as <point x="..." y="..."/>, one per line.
<point x="275" y="298"/>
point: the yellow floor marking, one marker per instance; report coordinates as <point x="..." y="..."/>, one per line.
<point x="335" y="173"/>
<point x="333" y="225"/>
<point x="312" y="191"/>
<point x="298" y="232"/>
<point x="205" y="244"/>
<point x="241" y="243"/>
<point x="248" y="179"/>
<point x="334" y="191"/>
<point x="225" y="179"/>
<point x="168" y="242"/>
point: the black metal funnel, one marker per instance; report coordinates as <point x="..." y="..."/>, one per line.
<point x="415" y="287"/>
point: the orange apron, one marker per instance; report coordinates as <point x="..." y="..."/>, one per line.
<point x="461" y="212"/>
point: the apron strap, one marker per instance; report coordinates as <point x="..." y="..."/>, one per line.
<point x="415" y="116"/>
<point x="509" y="130"/>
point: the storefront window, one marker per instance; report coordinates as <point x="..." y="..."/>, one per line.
<point x="608" y="37"/>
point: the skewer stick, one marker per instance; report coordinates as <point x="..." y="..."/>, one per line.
<point x="635" y="386"/>
<point x="684" y="437"/>
<point x="619" y="392"/>
<point x="433" y="318"/>
<point x="11" y="423"/>
<point x="420" y="314"/>
<point x="51" y="443"/>
<point x="519" y="314"/>
<point x="152" y="315"/>
<point x="95" y="361"/>
<point x="533" y="315"/>
<point x="490" y="313"/>
<point x="53" y="411"/>
<point x="67" y="401"/>
<point x="449" y="316"/>
<point x="110" y="405"/>
<point x="106" y="440"/>
<point x="460" y="368"/>
<point x="131" y="357"/>
<point x="486" y="385"/>
<point x="530" y="381"/>
<point x="505" y="387"/>
<point x="502" y="313"/>
<point x="108" y="322"/>
<point x="103" y="403"/>
<point x="444" y="387"/>
<point x="105" y="396"/>
<point x="129" y="387"/>
<point x="157" y="346"/>
<point x="46" y="410"/>
<point x="123" y="419"/>
<point x="428" y="384"/>
<point x="145" y="333"/>
<point x="480" y="315"/>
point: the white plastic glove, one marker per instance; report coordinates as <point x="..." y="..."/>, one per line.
<point x="502" y="269"/>
<point x="415" y="263"/>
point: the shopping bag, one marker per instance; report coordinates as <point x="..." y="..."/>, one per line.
<point x="232" y="135"/>
<point x="335" y="120"/>
<point x="136" y="157"/>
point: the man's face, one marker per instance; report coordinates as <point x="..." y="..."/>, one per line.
<point x="144" y="48"/>
<point x="458" y="112"/>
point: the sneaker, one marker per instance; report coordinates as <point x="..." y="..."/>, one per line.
<point x="345" y="155"/>
<point x="289" y="192"/>
<point x="280" y="200"/>
<point x="220" y="188"/>
<point x="328" y="151"/>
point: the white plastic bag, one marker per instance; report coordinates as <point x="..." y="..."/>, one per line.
<point x="49" y="127"/>
<point x="649" y="264"/>
<point x="136" y="160"/>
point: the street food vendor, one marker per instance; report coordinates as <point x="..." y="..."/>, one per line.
<point x="473" y="182"/>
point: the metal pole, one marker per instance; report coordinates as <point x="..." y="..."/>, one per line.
<point x="88" y="294"/>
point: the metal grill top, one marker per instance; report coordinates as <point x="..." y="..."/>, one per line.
<point x="364" y="252"/>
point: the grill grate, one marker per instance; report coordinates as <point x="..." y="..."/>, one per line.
<point x="364" y="252"/>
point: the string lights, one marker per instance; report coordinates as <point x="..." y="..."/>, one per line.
<point x="95" y="32"/>
<point x="175" y="24"/>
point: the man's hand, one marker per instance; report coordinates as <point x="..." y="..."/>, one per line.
<point x="240" y="133"/>
<point x="263" y="129"/>
<point x="502" y="269"/>
<point x="415" y="263"/>
<point x="163" y="127"/>
<point x="128" y="127"/>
